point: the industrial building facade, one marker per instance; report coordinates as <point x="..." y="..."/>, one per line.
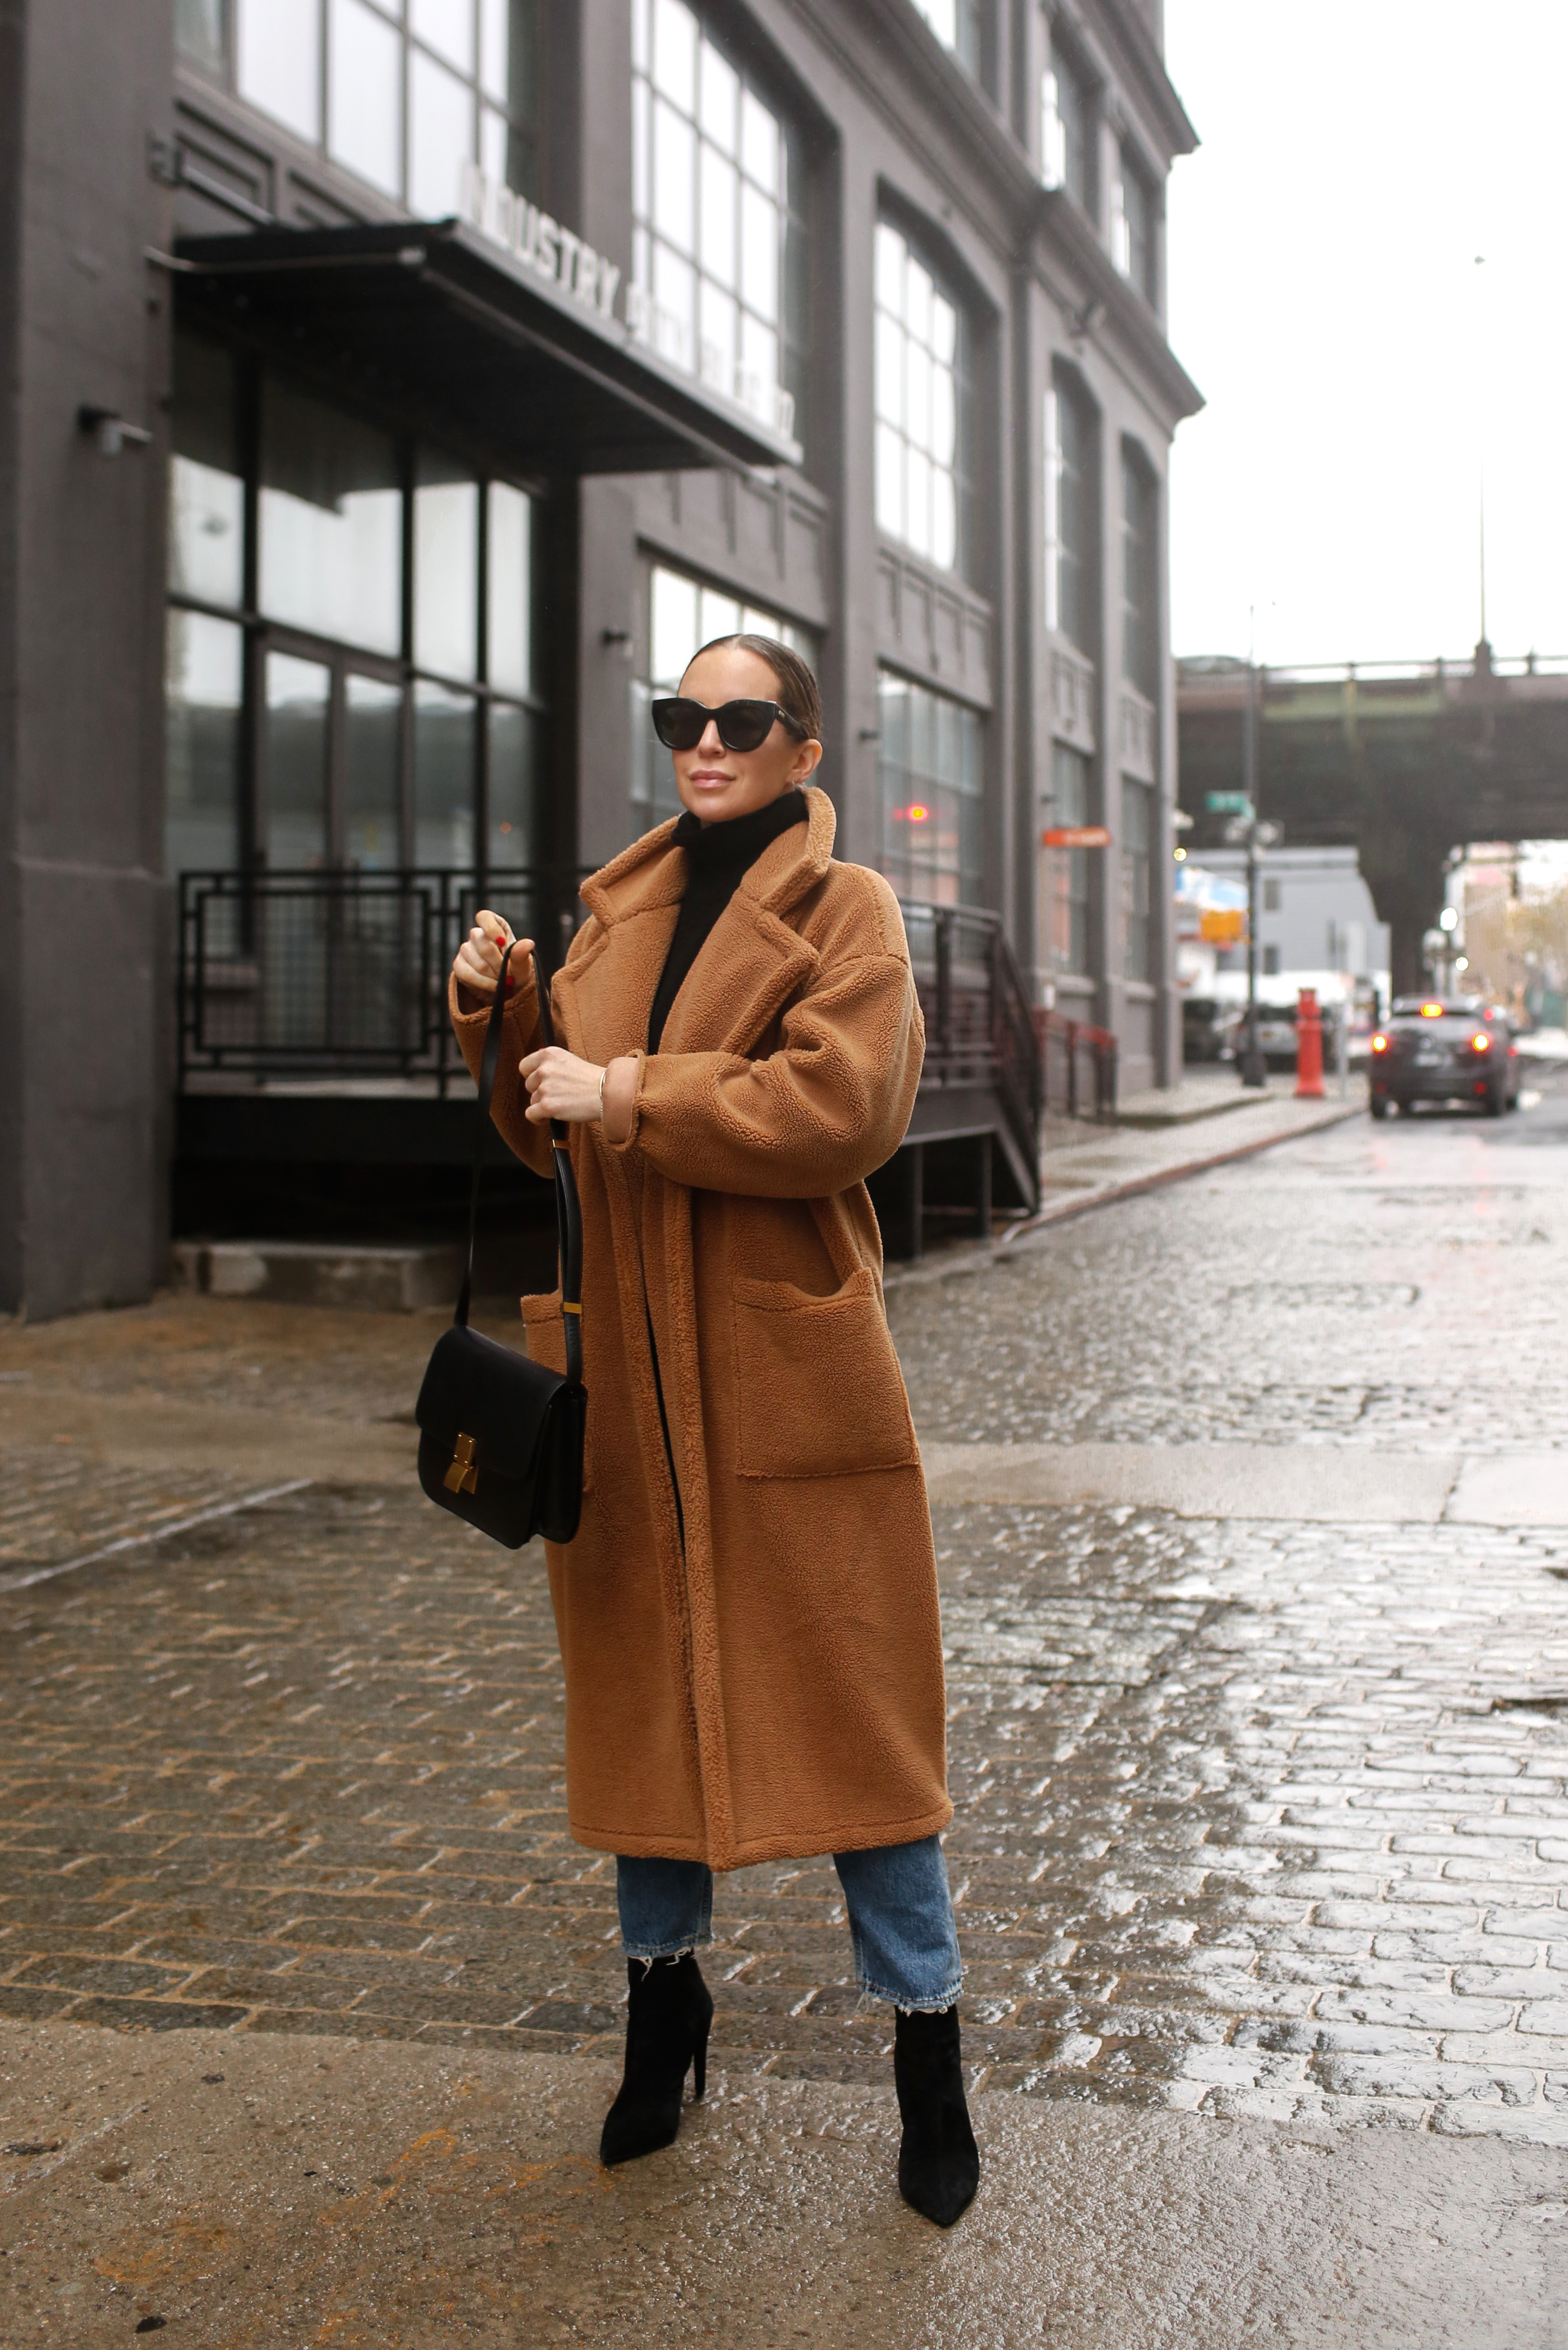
<point x="399" y="390"/>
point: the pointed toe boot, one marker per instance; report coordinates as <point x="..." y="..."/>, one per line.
<point x="669" y="2012"/>
<point x="939" y="2161"/>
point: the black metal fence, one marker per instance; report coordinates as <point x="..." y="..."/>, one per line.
<point x="980" y="1024"/>
<point x="1078" y="1066"/>
<point x="337" y="975"/>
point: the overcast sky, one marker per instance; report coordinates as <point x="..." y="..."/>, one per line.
<point x="1357" y="155"/>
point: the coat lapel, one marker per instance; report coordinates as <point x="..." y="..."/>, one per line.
<point x="749" y="968"/>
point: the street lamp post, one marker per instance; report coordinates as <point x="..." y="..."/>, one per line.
<point x="1253" y="1068"/>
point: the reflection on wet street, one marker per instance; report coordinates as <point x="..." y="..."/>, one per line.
<point x="1266" y="1814"/>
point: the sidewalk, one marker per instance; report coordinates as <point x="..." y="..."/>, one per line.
<point x="1161" y="1136"/>
<point x="1206" y="1121"/>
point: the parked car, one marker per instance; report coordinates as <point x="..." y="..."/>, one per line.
<point x="1443" y="1049"/>
<point x="1205" y="1029"/>
<point x="1276" y="1034"/>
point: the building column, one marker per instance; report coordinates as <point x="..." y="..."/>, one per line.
<point x="86" y="914"/>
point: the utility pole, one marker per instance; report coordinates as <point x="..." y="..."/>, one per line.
<point x="1482" y="347"/>
<point x="1253" y="1069"/>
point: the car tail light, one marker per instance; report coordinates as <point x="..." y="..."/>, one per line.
<point x="1380" y="1043"/>
<point x="1479" y="1043"/>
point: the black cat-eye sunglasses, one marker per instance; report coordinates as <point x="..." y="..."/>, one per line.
<point x="680" y="722"/>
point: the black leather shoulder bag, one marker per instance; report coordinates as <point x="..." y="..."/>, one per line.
<point x="501" y="1438"/>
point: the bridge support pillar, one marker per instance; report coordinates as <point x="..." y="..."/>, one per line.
<point x="1403" y="865"/>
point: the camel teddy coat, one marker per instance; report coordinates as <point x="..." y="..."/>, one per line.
<point x="748" y="1615"/>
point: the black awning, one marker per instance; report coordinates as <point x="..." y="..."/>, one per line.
<point x="461" y="336"/>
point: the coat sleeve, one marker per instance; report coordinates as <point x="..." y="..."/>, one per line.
<point x="824" y="1110"/>
<point x="520" y="1034"/>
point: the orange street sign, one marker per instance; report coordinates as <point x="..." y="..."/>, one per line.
<point x="1074" y="835"/>
<point x="1222" y="926"/>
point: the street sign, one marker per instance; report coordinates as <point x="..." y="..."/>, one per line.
<point x="1227" y="803"/>
<point x="1222" y="926"/>
<point x="1074" y="835"/>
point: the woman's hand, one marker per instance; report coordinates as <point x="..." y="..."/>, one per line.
<point x="560" y="1086"/>
<point x="477" y="965"/>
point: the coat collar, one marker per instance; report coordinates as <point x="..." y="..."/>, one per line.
<point x="652" y="871"/>
<point x="753" y="961"/>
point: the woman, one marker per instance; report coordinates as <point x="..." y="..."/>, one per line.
<point x="748" y="1615"/>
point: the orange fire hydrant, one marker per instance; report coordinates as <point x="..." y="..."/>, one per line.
<point x="1309" y="1046"/>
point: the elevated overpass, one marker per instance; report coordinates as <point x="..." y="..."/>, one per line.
<point x="1402" y="761"/>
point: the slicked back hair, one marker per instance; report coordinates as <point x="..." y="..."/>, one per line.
<point x="798" y="691"/>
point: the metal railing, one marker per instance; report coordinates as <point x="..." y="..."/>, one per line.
<point x="1064" y="1047"/>
<point x="980" y="1024"/>
<point x="342" y="975"/>
<point x="337" y="975"/>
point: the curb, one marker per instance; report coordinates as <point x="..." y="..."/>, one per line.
<point x="982" y="1256"/>
<point x="1158" y="1177"/>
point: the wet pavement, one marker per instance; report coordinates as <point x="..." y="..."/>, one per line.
<point x="1262" y="1823"/>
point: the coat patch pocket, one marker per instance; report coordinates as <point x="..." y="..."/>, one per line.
<point x="545" y="1340"/>
<point x="819" y="1392"/>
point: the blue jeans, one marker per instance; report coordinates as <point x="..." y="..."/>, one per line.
<point x="900" y="1918"/>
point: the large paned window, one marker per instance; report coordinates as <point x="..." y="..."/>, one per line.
<point x="1132" y="225"/>
<point x="386" y="717"/>
<point x="959" y="25"/>
<point x="1140" y="573"/>
<point x="1066" y="870"/>
<point x="1137" y="864"/>
<point x="922" y="403"/>
<point x="680" y="615"/>
<point x="1066" y="129"/>
<point x="331" y="522"/>
<point x="930" y="755"/>
<point x="718" y="233"/>
<point x="1070" y="515"/>
<point x="402" y="93"/>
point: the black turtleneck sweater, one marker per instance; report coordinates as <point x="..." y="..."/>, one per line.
<point x="717" y="855"/>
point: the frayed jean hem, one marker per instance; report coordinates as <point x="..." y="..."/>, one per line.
<point x="900" y="1999"/>
<point x="649" y="1951"/>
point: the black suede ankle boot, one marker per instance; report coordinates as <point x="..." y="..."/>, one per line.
<point x="669" y="2010"/>
<point x="939" y="2161"/>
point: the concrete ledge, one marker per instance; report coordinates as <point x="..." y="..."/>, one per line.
<point x="371" y="1278"/>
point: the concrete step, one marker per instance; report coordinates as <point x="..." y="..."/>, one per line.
<point x="377" y="1277"/>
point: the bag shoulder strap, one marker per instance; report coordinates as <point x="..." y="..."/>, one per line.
<point x="568" y="1208"/>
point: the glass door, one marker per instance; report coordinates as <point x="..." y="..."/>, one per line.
<point x="296" y="730"/>
<point x="377" y="940"/>
<point x="291" y="928"/>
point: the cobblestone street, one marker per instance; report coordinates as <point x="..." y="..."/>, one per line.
<point x="1261" y="1817"/>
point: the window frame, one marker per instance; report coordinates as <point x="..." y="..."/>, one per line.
<point x="1068" y="893"/>
<point x="1141" y="505"/>
<point x="1138" y="863"/>
<point x="524" y="132"/>
<point x="966" y="874"/>
<point x="962" y="371"/>
<point x="782" y="405"/>
<point x="1058" y="125"/>
<point x="1065" y="396"/>
<point x="262" y="631"/>
<point x="968" y="45"/>
<point x="1134" y="248"/>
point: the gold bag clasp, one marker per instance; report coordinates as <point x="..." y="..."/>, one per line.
<point x="463" y="1477"/>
